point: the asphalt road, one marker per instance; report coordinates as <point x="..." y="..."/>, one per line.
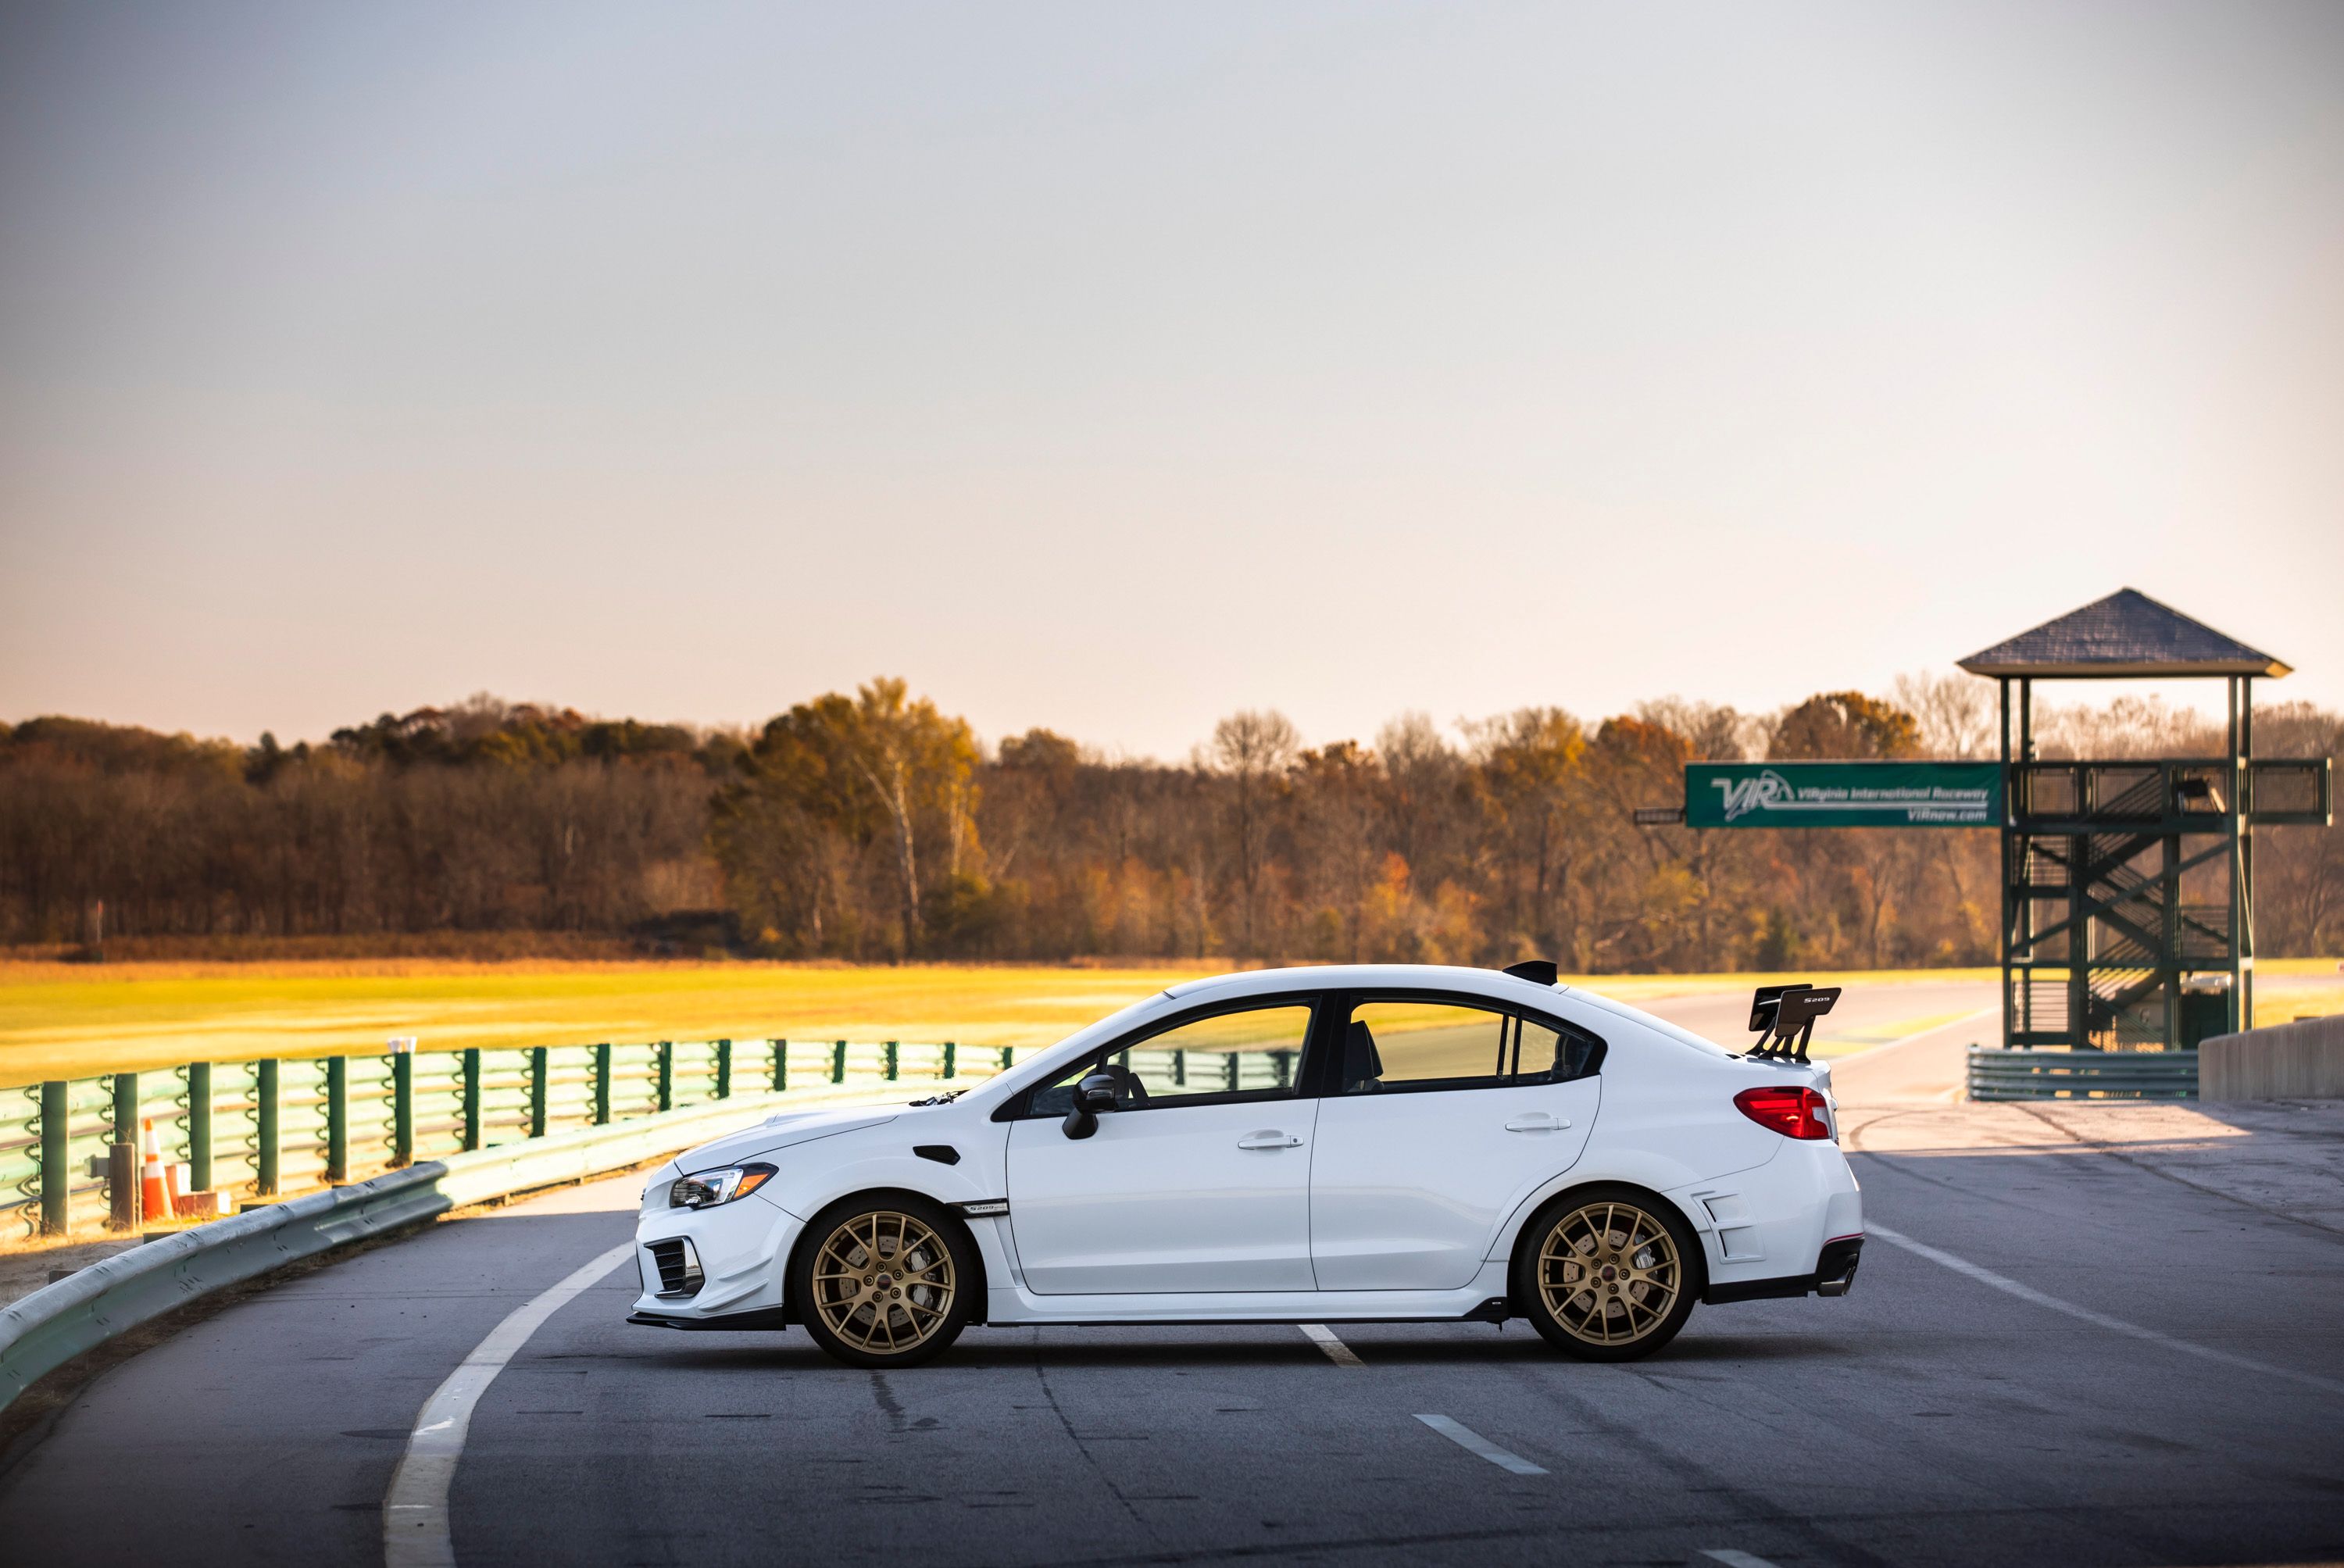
<point x="2157" y="1377"/>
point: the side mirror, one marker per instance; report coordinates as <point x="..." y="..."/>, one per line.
<point x="1093" y="1095"/>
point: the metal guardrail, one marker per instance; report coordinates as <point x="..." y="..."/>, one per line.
<point x="1996" y="1073"/>
<point x="280" y="1125"/>
<point x="42" y="1332"/>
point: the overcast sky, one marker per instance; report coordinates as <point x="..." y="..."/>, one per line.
<point x="1114" y="367"/>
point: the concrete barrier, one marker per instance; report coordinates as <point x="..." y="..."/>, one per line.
<point x="2303" y="1060"/>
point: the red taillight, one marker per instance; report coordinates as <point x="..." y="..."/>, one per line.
<point x="1793" y="1112"/>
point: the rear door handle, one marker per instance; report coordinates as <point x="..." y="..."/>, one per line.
<point x="1269" y="1141"/>
<point x="1538" y="1121"/>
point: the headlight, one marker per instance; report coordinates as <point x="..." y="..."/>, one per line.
<point x="708" y="1188"/>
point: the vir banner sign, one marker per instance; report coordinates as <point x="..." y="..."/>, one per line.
<point x="1843" y="795"/>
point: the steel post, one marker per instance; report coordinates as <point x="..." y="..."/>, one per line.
<point x="539" y="1062"/>
<point x="265" y="1161"/>
<point x="667" y="1075"/>
<point x="57" y="1157"/>
<point x="200" y="1126"/>
<point x="602" y="1084"/>
<point x="781" y="1066"/>
<point x="471" y="1097"/>
<point x="402" y="1109"/>
<point x="838" y="1064"/>
<point x="338" y="1120"/>
<point x="723" y="1069"/>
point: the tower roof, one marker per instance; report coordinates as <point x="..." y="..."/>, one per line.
<point x="2126" y="634"/>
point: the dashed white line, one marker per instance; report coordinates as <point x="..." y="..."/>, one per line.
<point x="1337" y="1350"/>
<point x="1472" y="1441"/>
<point x="415" y="1510"/>
<point x="1733" y="1559"/>
<point x="2099" y="1319"/>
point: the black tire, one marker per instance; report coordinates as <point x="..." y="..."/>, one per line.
<point x="884" y="1281"/>
<point x="1608" y="1273"/>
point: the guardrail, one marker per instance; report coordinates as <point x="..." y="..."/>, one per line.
<point x="281" y="1125"/>
<point x="1996" y="1073"/>
<point x="42" y="1332"/>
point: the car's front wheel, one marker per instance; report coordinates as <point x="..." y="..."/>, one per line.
<point x="1607" y="1274"/>
<point x="885" y="1281"/>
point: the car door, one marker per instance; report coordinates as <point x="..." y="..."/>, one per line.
<point x="1446" y="1112"/>
<point x="1198" y="1180"/>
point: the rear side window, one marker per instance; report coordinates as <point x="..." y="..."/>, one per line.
<point x="1416" y="1044"/>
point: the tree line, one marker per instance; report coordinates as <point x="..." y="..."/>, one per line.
<point x="873" y="826"/>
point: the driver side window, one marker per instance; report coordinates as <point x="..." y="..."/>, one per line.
<point x="1255" y="1053"/>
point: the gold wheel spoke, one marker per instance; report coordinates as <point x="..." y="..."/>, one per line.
<point x="884" y="1319"/>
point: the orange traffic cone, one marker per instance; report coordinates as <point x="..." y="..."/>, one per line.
<point x="155" y="1188"/>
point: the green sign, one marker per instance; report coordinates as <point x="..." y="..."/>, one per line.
<point x="1843" y="795"/>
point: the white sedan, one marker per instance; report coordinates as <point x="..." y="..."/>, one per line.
<point x="1377" y="1143"/>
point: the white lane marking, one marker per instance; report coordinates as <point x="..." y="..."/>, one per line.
<point x="1337" y="1350"/>
<point x="1733" y="1559"/>
<point x="2099" y="1319"/>
<point x="415" y="1508"/>
<point x="1472" y="1441"/>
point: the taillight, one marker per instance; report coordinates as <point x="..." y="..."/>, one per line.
<point x="1793" y="1112"/>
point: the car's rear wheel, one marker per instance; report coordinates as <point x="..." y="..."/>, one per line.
<point x="886" y="1281"/>
<point x="1607" y="1274"/>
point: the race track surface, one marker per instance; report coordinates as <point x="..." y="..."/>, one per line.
<point x="2165" y="1384"/>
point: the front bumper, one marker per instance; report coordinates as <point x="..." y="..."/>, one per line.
<point x="741" y="1250"/>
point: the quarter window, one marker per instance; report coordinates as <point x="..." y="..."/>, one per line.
<point x="1252" y="1054"/>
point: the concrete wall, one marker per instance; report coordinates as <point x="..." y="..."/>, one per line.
<point x="2289" y="1061"/>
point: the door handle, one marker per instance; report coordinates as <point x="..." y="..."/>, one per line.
<point x="1269" y="1141"/>
<point x="1538" y="1121"/>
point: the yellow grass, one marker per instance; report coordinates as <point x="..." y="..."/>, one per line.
<point x="66" y="1020"/>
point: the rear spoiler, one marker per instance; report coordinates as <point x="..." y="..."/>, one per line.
<point x="1783" y="1019"/>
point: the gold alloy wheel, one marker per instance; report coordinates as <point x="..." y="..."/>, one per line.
<point x="882" y="1282"/>
<point x="1608" y="1273"/>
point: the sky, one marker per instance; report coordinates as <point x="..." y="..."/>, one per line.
<point x="1114" y="368"/>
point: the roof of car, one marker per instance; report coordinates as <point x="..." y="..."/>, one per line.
<point x="1363" y="977"/>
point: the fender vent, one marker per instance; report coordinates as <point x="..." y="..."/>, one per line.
<point x="677" y="1266"/>
<point x="942" y="1153"/>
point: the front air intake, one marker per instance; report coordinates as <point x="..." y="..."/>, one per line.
<point x="677" y="1266"/>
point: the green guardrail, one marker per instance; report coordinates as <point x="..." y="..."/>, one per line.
<point x="42" y="1332"/>
<point x="1999" y="1073"/>
<point x="278" y="1126"/>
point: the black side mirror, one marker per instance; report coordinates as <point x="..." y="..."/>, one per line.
<point x="1093" y="1095"/>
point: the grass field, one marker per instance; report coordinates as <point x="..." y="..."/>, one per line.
<point x="68" y="1020"/>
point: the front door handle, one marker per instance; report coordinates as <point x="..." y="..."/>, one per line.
<point x="1272" y="1139"/>
<point x="1538" y="1121"/>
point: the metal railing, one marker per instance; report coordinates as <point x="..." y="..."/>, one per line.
<point x="1997" y="1074"/>
<point x="266" y="1128"/>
